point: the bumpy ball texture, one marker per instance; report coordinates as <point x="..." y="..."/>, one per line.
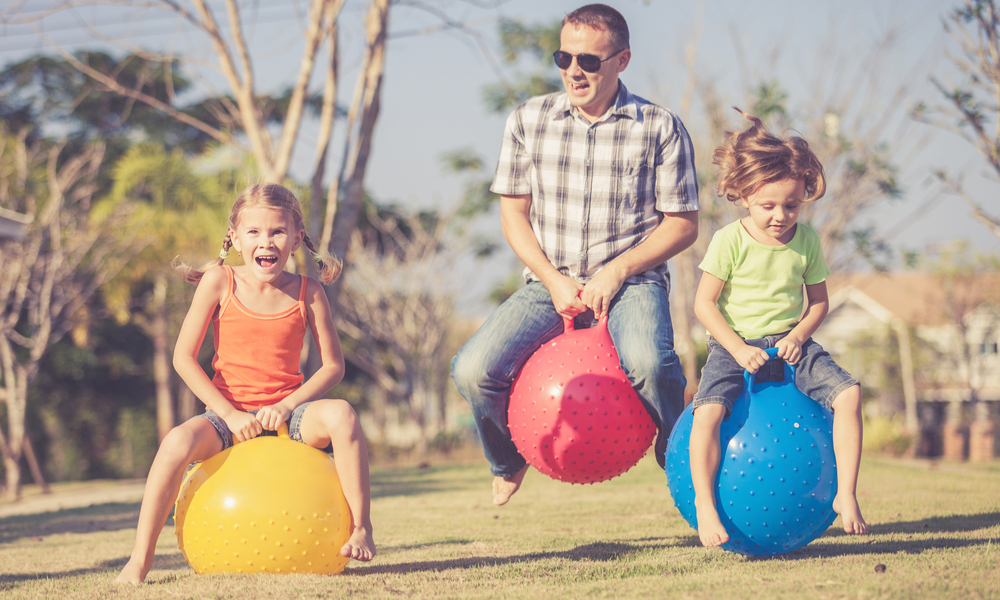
<point x="777" y="474"/>
<point x="573" y="414"/>
<point x="267" y="505"/>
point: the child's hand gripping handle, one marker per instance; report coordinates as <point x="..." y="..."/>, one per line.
<point x="748" y="377"/>
<point x="282" y="433"/>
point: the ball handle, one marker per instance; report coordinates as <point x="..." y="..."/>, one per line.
<point x="282" y="433"/>
<point x="569" y="326"/>
<point x="748" y="377"/>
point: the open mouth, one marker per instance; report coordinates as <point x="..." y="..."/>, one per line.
<point x="266" y="261"/>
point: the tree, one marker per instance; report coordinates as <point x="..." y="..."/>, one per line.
<point x="245" y="119"/>
<point x="972" y="108"/>
<point x="73" y="245"/>
<point x="398" y="306"/>
<point x="188" y="213"/>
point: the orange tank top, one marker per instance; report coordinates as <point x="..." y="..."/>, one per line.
<point x="257" y="356"/>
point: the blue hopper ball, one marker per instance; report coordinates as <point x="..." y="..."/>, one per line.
<point x="777" y="474"/>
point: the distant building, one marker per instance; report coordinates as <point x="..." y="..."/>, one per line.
<point x="959" y="319"/>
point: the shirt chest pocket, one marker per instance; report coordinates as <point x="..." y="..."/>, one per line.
<point x="629" y="180"/>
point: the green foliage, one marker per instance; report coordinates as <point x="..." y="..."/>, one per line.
<point x="770" y="102"/>
<point x="91" y="406"/>
<point x="886" y="435"/>
<point x="506" y="288"/>
<point x="874" y="250"/>
<point x="518" y="41"/>
<point x="500" y="98"/>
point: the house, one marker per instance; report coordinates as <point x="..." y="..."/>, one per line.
<point x="945" y="330"/>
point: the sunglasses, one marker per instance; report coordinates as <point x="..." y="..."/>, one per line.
<point x="587" y="62"/>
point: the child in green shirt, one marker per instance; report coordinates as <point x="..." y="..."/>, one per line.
<point x="751" y="298"/>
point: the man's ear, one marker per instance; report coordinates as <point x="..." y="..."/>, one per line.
<point x="623" y="59"/>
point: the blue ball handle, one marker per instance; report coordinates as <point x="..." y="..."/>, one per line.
<point x="748" y="377"/>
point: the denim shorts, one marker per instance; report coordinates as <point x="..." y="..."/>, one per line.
<point x="816" y="374"/>
<point x="294" y="427"/>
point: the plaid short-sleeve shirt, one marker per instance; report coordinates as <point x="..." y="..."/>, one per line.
<point x="597" y="190"/>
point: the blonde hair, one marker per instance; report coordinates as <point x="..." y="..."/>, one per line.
<point x="274" y="196"/>
<point x="754" y="157"/>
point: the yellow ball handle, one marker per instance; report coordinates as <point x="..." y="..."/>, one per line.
<point x="282" y="432"/>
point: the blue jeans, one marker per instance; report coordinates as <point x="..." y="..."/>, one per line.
<point x="639" y="323"/>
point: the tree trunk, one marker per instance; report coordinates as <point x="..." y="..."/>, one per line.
<point x="161" y="358"/>
<point x="682" y="281"/>
<point x="36" y="469"/>
<point x="187" y="403"/>
<point x="347" y="216"/>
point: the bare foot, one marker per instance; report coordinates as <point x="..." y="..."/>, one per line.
<point x="846" y="506"/>
<point x="133" y="573"/>
<point x="710" y="528"/>
<point x="504" y="487"/>
<point x="361" y="546"/>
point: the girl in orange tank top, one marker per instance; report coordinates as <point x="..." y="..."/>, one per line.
<point x="259" y="313"/>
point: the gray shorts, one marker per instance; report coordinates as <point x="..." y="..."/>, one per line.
<point x="816" y="374"/>
<point x="294" y="427"/>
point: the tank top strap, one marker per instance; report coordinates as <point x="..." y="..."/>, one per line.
<point x="230" y="290"/>
<point x="302" y="298"/>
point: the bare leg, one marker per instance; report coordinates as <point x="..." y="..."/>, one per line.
<point x="189" y="442"/>
<point x="847" y="428"/>
<point x="504" y="487"/>
<point x="335" y="421"/>
<point x="704" y="456"/>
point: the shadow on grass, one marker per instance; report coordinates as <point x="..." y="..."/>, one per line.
<point x="872" y="547"/>
<point x="945" y="524"/>
<point x="596" y="552"/>
<point x="169" y="562"/>
<point x="110" y="516"/>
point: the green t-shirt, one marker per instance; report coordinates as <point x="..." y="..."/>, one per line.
<point x="763" y="293"/>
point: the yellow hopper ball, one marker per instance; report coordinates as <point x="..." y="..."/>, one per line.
<point x="267" y="505"/>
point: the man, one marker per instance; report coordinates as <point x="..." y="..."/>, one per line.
<point x="598" y="189"/>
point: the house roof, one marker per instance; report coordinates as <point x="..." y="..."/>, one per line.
<point x="916" y="298"/>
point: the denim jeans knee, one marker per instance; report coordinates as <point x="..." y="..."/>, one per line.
<point x="640" y="326"/>
<point x="485" y="367"/>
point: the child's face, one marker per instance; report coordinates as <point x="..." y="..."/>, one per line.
<point x="266" y="237"/>
<point x="774" y="210"/>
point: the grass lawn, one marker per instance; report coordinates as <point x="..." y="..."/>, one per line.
<point x="936" y="531"/>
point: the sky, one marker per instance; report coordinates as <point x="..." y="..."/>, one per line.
<point x="433" y="84"/>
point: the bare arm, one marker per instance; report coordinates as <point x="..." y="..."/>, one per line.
<point x="675" y="233"/>
<point x="516" y="226"/>
<point x="206" y="300"/>
<point x="707" y="311"/>
<point x="790" y="346"/>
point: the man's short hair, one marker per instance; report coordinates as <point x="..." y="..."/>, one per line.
<point x="603" y="18"/>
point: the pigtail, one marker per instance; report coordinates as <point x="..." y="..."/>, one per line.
<point x="193" y="275"/>
<point x="329" y="267"/>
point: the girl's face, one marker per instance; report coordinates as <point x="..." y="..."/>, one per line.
<point x="266" y="237"/>
<point x="774" y="210"/>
